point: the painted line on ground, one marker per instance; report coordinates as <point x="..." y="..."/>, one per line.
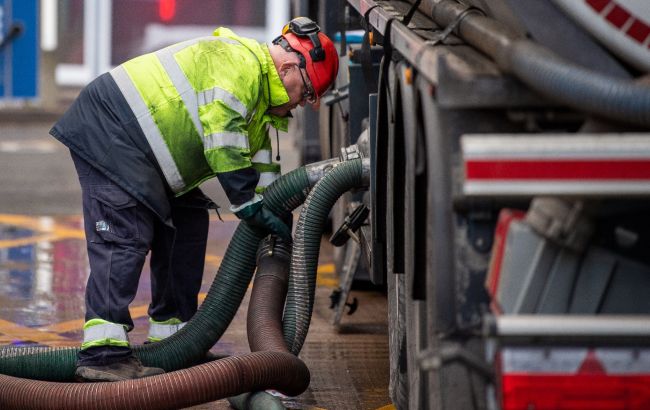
<point x="326" y="276"/>
<point x="214" y="260"/>
<point x="225" y="217"/>
<point x="47" y="229"/>
<point x="30" y="240"/>
<point x="22" y="333"/>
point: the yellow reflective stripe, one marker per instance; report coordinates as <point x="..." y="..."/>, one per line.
<point x="228" y="159"/>
<point x="98" y="332"/>
<point x="172" y="321"/>
<point x="172" y="119"/>
<point x="104" y="342"/>
<point x="262" y="156"/>
<point x="252" y="201"/>
<point x="226" y="139"/>
<point x="217" y="117"/>
<point x="149" y="128"/>
<point x="180" y="81"/>
<point x="266" y="178"/>
<point x="159" y="331"/>
<point x="216" y="93"/>
<point x="272" y="167"/>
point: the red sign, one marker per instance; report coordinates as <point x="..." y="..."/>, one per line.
<point x="166" y="10"/>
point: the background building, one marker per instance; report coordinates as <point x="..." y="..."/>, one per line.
<point x="51" y="48"/>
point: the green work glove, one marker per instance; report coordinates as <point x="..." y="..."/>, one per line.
<point x="257" y="215"/>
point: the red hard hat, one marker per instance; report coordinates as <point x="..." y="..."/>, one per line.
<point x="322" y="72"/>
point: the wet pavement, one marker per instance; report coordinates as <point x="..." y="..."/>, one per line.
<point x="44" y="268"/>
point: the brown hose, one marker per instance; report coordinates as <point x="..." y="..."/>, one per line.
<point x="183" y="388"/>
<point x="264" y="320"/>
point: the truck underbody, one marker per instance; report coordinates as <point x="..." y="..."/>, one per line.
<point x="510" y="173"/>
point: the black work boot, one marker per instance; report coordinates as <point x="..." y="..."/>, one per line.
<point x="130" y="368"/>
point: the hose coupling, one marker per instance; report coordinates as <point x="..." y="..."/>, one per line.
<point x="350" y="153"/>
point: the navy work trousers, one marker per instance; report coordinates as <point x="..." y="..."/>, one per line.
<point x="120" y="231"/>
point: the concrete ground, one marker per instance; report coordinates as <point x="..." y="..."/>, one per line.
<point x="43" y="269"/>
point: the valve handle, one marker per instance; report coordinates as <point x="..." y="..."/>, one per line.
<point x="352" y="223"/>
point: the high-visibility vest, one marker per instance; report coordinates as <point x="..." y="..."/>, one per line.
<point x="202" y="106"/>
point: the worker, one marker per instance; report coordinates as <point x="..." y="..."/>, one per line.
<point x="144" y="136"/>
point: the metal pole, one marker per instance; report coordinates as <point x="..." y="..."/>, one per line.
<point x="277" y="14"/>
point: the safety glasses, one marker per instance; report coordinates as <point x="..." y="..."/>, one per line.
<point x="308" y="93"/>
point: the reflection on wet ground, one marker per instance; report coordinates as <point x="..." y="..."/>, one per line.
<point x="43" y="273"/>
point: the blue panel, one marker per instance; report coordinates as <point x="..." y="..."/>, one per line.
<point x="19" y="55"/>
<point x="3" y="61"/>
<point x="25" y="49"/>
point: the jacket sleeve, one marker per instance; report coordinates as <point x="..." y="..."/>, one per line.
<point x="225" y="138"/>
<point x="226" y="105"/>
<point x="239" y="185"/>
<point x="262" y="154"/>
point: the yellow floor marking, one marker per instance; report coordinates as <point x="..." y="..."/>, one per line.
<point x="327" y="282"/>
<point x="48" y="232"/>
<point x="214" y="260"/>
<point x="388" y="407"/>
<point x="64" y="327"/>
<point x="326" y="268"/>
<point x="24" y="221"/>
<point x="36" y="223"/>
<point x="14" y="243"/>
<point x="326" y="276"/>
<point x="225" y="217"/>
<point x="69" y="233"/>
<point x="17" y="332"/>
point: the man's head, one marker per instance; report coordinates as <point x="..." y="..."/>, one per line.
<point x="307" y="63"/>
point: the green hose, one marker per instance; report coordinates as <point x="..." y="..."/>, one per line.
<point x="190" y="344"/>
<point x="306" y="247"/>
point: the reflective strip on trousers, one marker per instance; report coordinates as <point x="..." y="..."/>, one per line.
<point x="158" y="331"/>
<point x="266" y="178"/>
<point x="105" y="331"/>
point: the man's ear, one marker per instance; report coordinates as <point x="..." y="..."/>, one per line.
<point x="285" y="67"/>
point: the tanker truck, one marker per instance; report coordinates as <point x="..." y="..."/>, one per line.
<point x="507" y="210"/>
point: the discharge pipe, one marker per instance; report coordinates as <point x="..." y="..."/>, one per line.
<point x="543" y="70"/>
<point x="264" y="319"/>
